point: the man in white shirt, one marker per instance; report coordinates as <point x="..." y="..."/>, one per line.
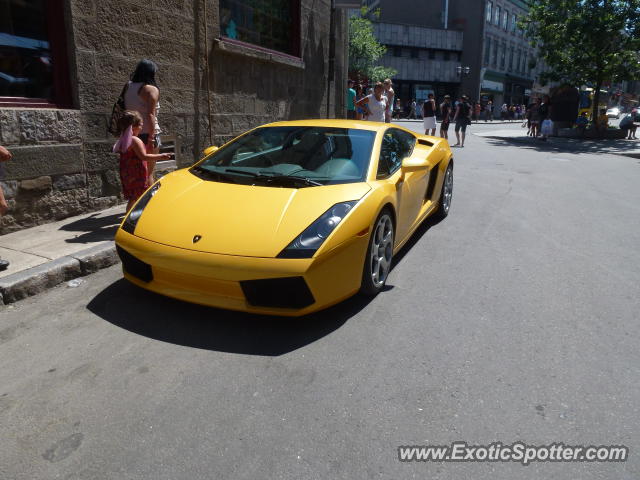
<point x="390" y="95"/>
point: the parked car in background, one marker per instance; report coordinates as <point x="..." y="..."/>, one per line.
<point x="613" y="112"/>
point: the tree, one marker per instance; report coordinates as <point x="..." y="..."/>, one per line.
<point x="586" y="42"/>
<point x="364" y="50"/>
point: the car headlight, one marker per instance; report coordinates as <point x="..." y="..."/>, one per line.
<point x="129" y="224"/>
<point x="308" y="242"/>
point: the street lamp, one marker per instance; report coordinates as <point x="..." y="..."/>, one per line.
<point x="462" y="71"/>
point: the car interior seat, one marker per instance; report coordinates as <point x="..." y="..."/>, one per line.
<point x="308" y="146"/>
<point x="340" y="162"/>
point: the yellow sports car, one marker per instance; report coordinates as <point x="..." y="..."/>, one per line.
<point x="288" y="218"/>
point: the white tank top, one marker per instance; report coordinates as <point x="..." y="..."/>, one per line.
<point x="377" y="108"/>
<point x="132" y="101"/>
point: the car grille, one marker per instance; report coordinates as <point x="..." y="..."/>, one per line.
<point x="289" y="292"/>
<point x="134" y="266"/>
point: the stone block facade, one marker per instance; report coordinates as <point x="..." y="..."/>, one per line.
<point x="47" y="178"/>
<point x="62" y="162"/>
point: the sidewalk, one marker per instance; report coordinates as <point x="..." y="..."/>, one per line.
<point x="629" y="148"/>
<point x="474" y="122"/>
<point x="47" y="255"/>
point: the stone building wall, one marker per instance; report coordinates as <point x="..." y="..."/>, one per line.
<point x="62" y="163"/>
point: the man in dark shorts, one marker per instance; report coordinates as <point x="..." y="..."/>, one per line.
<point x="445" y="110"/>
<point x="462" y="118"/>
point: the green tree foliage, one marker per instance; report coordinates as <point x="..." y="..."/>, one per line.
<point x="586" y="42"/>
<point x="365" y="51"/>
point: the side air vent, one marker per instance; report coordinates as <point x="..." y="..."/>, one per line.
<point x="433" y="175"/>
<point x="426" y="143"/>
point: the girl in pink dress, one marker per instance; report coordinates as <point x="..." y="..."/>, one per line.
<point x="134" y="171"/>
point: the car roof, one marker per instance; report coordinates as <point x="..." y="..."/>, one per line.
<point x="354" y="124"/>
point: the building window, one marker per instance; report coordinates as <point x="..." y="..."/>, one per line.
<point x="489" y="11"/>
<point x="33" y="58"/>
<point x="487" y="51"/>
<point x="514" y="23"/>
<point x="494" y="55"/>
<point x="511" y="55"/>
<point x="432" y="54"/>
<point x="503" y="55"/>
<point x="496" y="17"/>
<point x="505" y="19"/>
<point x="271" y="24"/>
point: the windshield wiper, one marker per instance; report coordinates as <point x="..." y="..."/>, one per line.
<point x="280" y="179"/>
<point x="242" y="172"/>
<point x="307" y="182"/>
<point x="214" y="173"/>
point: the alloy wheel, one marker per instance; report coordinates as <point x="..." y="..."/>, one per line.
<point x="381" y="250"/>
<point x="447" y="190"/>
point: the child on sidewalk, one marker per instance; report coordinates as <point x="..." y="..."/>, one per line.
<point x="134" y="171"/>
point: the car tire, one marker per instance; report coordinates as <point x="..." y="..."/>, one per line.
<point x="446" y="194"/>
<point x="377" y="263"/>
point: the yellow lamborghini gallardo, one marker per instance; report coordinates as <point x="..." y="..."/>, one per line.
<point x="288" y="218"/>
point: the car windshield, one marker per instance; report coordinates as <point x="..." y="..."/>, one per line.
<point x="292" y="156"/>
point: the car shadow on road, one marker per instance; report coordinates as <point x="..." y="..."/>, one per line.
<point x="424" y="227"/>
<point x="161" y="318"/>
<point x="628" y="148"/>
<point x="165" y="319"/>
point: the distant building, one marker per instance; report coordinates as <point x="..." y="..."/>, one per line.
<point x="425" y="59"/>
<point x="508" y="61"/>
<point x="480" y="37"/>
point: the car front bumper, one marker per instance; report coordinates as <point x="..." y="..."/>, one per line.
<point x="272" y="286"/>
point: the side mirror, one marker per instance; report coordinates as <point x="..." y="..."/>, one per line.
<point x="413" y="164"/>
<point x="210" y="150"/>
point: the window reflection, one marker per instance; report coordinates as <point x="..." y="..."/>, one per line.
<point x="267" y="23"/>
<point x="25" y="53"/>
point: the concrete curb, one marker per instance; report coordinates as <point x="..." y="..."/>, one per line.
<point x="37" y="279"/>
<point x="97" y="257"/>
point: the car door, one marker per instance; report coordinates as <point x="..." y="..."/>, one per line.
<point x="410" y="186"/>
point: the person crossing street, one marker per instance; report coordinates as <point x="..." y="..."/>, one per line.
<point x="445" y="110"/>
<point x="462" y="119"/>
<point x="429" y="115"/>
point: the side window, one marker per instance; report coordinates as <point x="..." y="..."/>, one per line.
<point x="396" y="146"/>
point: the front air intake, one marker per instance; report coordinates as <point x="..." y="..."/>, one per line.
<point x="289" y="292"/>
<point x="134" y="266"/>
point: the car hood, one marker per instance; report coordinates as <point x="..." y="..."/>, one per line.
<point x="234" y="219"/>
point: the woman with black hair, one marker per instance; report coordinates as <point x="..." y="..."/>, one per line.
<point x="142" y="96"/>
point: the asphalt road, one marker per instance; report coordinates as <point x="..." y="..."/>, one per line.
<point x="516" y="318"/>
